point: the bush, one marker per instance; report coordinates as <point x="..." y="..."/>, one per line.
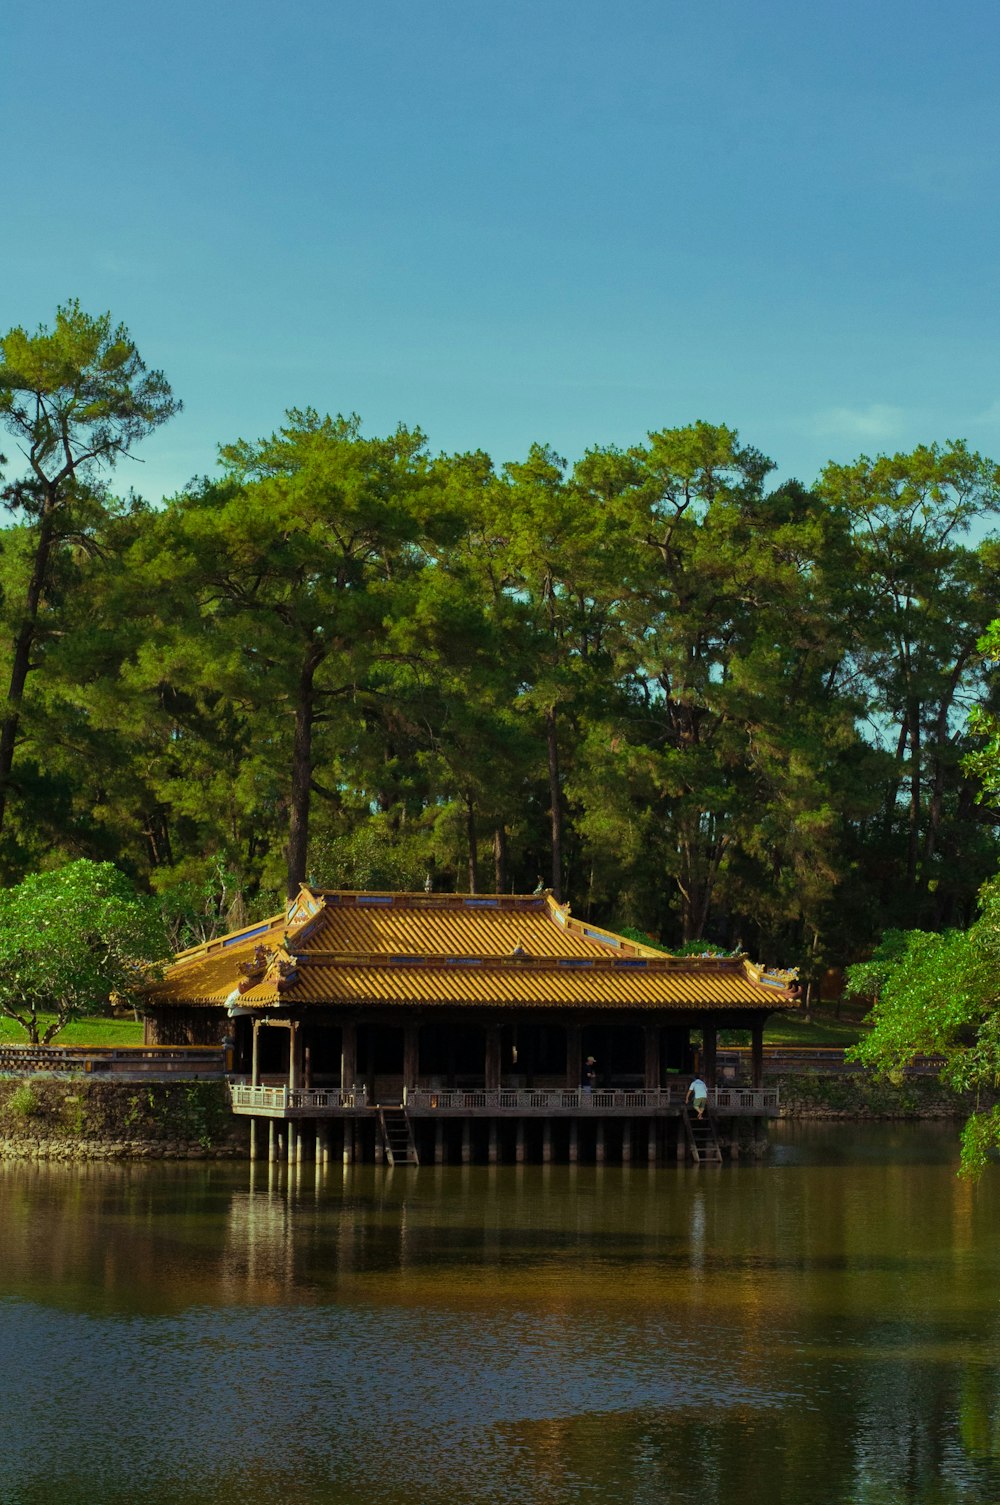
<point x="22" y="1103"/>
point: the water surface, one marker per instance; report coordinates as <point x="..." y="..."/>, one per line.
<point x="819" y="1328"/>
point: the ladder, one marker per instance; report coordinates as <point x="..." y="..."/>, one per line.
<point x="703" y="1141"/>
<point x="397" y="1136"/>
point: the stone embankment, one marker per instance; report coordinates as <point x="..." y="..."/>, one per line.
<point x="74" y="1119"/>
<point x="858" y="1095"/>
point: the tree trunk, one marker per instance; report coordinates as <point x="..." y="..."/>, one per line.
<point x="470" y="832"/>
<point x="21" y="661"/>
<point x="499" y="860"/>
<point x="913" y="716"/>
<point x="555" y="802"/>
<point x="298" y="825"/>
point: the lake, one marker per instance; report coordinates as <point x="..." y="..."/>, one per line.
<point x="818" y="1328"/>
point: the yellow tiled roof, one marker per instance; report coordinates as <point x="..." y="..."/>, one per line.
<point x="447" y="949"/>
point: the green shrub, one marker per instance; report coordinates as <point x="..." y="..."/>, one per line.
<point x="22" y="1103"/>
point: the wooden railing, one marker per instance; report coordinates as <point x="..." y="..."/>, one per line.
<point x="319" y="1100"/>
<point x="525" y="1100"/>
<point x="521" y="1101"/>
<point x="117" y="1060"/>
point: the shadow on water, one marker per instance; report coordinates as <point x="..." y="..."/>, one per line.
<point x="819" y="1328"/>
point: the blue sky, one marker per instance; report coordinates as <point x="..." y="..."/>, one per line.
<point x="508" y="221"/>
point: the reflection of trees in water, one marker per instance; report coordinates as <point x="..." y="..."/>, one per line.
<point x="817" y="1333"/>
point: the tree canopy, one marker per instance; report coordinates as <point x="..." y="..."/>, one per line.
<point x="70" y="941"/>
<point x="686" y="698"/>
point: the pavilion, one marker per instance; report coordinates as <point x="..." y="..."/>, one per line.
<point x="457" y="1025"/>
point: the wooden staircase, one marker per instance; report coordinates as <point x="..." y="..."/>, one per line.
<point x="703" y="1141"/>
<point x="397" y="1136"/>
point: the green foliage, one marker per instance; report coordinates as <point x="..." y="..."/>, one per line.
<point x="79" y="394"/>
<point x="23" y="1102"/>
<point x="939" y="994"/>
<point x="69" y="941"/>
<point x="687" y="702"/>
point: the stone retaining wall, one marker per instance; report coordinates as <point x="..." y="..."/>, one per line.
<point x="857" y="1095"/>
<point x="42" y="1119"/>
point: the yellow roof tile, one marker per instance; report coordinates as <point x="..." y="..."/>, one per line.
<point x="337" y="947"/>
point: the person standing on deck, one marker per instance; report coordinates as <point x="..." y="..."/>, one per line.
<point x="698" y="1093"/>
<point x="589" y="1074"/>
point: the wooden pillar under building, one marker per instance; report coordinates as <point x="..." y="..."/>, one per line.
<point x="255" y="1057"/>
<point x="294" y="1045"/>
<point x="652" y="1141"/>
<point x="290" y="1132"/>
<point x="271" y="1148"/>
<point x="492" y="1058"/>
<point x="348" y="1055"/>
<point x="574" y="1057"/>
<point x="439" y="1142"/>
<point x="466" y="1141"/>
<point x="574" y="1141"/>
<point x="519" y="1143"/>
<point x="599" y="1142"/>
<point x="253" y="1139"/>
<point x="546" y="1141"/>
<point x="757" y="1054"/>
<point x="411" y="1055"/>
<point x="348" y="1141"/>
<point x="651" y="1047"/>
<point x="627" y="1142"/>
<point x="494" y="1147"/>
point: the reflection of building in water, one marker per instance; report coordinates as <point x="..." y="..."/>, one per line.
<point x="460" y="1027"/>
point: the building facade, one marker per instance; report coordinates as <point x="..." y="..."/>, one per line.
<point x="478" y="1018"/>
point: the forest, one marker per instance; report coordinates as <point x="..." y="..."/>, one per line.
<point x="692" y="700"/>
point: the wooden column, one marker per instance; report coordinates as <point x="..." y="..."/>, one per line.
<point x="255" y="1058"/>
<point x="651" y="1043"/>
<point x="709" y="1036"/>
<point x="627" y="1142"/>
<point x="294" y="1071"/>
<point x="253" y="1139"/>
<point x="411" y="1054"/>
<point x="519" y="1143"/>
<point x="494" y="1147"/>
<point x="757" y="1054"/>
<point x="574" y="1141"/>
<point x="466" y="1141"/>
<point x="348" y="1055"/>
<point x="492" y="1058"/>
<point x="652" y="1141"/>
<point x="546" y="1141"/>
<point x="599" y="1142"/>
<point x="439" y="1142"/>
<point x="574" y="1057"/>
<point x="348" y="1140"/>
<point x="272" y="1153"/>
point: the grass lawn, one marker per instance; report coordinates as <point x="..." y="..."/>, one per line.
<point x="794" y="1029"/>
<point x="820" y="1029"/>
<point x="783" y="1029"/>
<point x="83" y="1032"/>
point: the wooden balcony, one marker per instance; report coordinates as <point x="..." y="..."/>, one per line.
<point x="513" y="1102"/>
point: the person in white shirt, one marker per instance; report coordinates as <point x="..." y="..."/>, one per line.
<point x="698" y="1093"/>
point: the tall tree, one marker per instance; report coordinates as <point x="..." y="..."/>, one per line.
<point x="925" y="597"/>
<point x="76" y="398"/>
<point x="297" y="564"/>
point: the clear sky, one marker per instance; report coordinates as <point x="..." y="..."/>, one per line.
<point x="506" y="220"/>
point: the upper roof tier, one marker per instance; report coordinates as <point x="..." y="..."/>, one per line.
<point x="335" y="946"/>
